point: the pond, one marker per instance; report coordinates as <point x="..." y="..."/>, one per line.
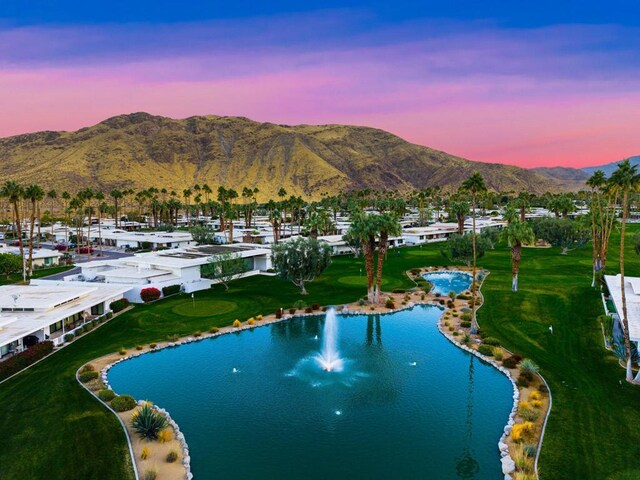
<point x="401" y="402"/>
<point x="449" y="281"/>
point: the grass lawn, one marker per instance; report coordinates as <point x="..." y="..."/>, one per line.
<point x="52" y="428"/>
<point x="38" y="273"/>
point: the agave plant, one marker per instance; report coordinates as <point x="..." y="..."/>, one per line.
<point x="528" y="366"/>
<point x="148" y="423"/>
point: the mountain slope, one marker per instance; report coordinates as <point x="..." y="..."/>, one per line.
<point x="564" y="178"/>
<point x="140" y="150"/>
<point x="609" y="168"/>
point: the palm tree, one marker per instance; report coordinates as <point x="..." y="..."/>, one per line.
<point x="116" y="195"/>
<point x="87" y="195"/>
<point x="474" y="185"/>
<point x="509" y="213"/>
<point x="66" y="197"/>
<point x="524" y="202"/>
<point x="458" y="209"/>
<point x="13" y="192"/>
<point x="101" y="209"/>
<point x="52" y="195"/>
<point x="318" y="222"/>
<point x="387" y="225"/>
<point x="516" y="234"/>
<point x="624" y="180"/>
<point x="35" y="194"/>
<point x="186" y="193"/>
<point x="364" y="228"/>
<point x="596" y="183"/>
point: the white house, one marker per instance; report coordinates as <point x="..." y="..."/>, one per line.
<point x="32" y="313"/>
<point x="42" y="257"/>
<point x="632" y="293"/>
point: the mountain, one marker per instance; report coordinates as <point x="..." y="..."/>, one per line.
<point x="609" y="168"/>
<point x="564" y="178"/>
<point x="140" y="151"/>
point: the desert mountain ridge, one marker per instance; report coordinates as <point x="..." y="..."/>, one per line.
<point x="140" y="150"/>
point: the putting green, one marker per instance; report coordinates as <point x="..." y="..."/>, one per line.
<point x="204" y="308"/>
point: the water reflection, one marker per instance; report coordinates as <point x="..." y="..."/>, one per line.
<point x="467" y="466"/>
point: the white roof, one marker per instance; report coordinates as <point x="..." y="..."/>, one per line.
<point x="632" y="293"/>
<point x="37" y="252"/>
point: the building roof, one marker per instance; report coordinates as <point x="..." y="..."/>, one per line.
<point x="632" y="293"/>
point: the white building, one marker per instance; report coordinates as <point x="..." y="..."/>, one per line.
<point x="632" y="293"/>
<point x="32" y="313"/>
<point x="42" y="257"/>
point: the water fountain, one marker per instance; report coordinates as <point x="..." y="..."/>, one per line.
<point x="329" y="357"/>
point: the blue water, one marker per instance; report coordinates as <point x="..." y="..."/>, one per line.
<point x="445" y="282"/>
<point x="408" y="404"/>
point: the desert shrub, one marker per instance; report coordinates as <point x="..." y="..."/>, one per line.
<point x="106" y="395"/>
<point x="119" y="305"/>
<point x="486" y="350"/>
<point x="292" y="311"/>
<point x="530" y="450"/>
<point x="197" y="333"/>
<point x="149" y="294"/>
<point x="466" y="316"/>
<point x="85" y="377"/>
<point x="170" y="290"/>
<point x="452" y="295"/>
<point x="422" y="296"/>
<point x="148" y="423"/>
<point x="512" y="361"/>
<point x="172" y="338"/>
<point x="529" y="366"/>
<point x="415" y="271"/>
<point x="535" y="395"/>
<point x="441" y="302"/>
<point x="522" y="381"/>
<point x="491" y="341"/>
<point x="123" y="403"/>
<point x="69" y="337"/>
<point x="536" y="403"/>
<point x="139" y="347"/>
<point x="456" y="333"/>
<point x="109" y="315"/>
<point x="452" y="328"/>
<point x="466" y="339"/>
<point x="152" y="346"/>
<point x="214" y="330"/>
<point x="523" y="462"/>
<point x="237" y="323"/>
<point x="259" y="317"/>
<point x="122" y="351"/>
<point x="462" y="296"/>
<point x="497" y="354"/>
<point x="527" y="374"/>
<point x="172" y="456"/>
<point x="87" y="368"/>
<point x="521" y="431"/>
<point x="146" y="451"/>
<point x="150" y="474"/>
<point x="165" y="435"/>
<point x="324" y="309"/>
<point x="543" y="388"/>
<point x="308" y="310"/>
<point x="389" y="303"/>
<point x="88" y="327"/>
<point x="447" y="323"/>
<point x="315" y="306"/>
<point x="465" y="324"/>
<point x="279" y="313"/>
<point x="526" y="411"/>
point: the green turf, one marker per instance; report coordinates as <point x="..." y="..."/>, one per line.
<point x="51" y="428"/>
<point x="38" y="273"/>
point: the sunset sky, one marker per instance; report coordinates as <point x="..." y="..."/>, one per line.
<point x="530" y="83"/>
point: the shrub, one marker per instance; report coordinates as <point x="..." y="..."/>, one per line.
<point x="530" y="450"/>
<point x="279" y="313"/>
<point x="259" y="317"/>
<point x="491" y="341"/>
<point x="522" y="381"/>
<point x="527" y="374"/>
<point x="146" y="451"/>
<point x="437" y="295"/>
<point x="398" y="290"/>
<point x="139" y="347"/>
<point x="69" y="337"/>
<point x="149" y="294"/>
<point x="456" y="333"/>
<point x="534" y="395"/>
<point x="299" y="305"/>
<point x="292" y="311"/>
<point x="88" y="327"/>
<point x="362" y="302"/>
<point x="427" y="286"/>
<point x="172" y="338"/>
<point x="524" y="462"/>
<point x="441" y="302"/>
<point x="452" y="295"/>
<point x="511" y="362"/>
<point x="465" y="324"/>
<point x="214" y="330"/>
<point x="466" y="316"/>
<point x="529" y="366"/>
<point x="119" y="305"/>
<point x="536" y="403"/>
<point x="527" y="412"/>
<point x="466" y="339"/>
<point x="389" y="303"/>
<point x="308" y="310"/>
<point x="486" y="350"/>
<point x="85" y="377"/>
<point x="237" y="323"/>
<point x="415" y="271"/>
<point x="148" y="423"/>
<point x="150" y="474"/>
<point x="87" y="368"/>
<point x="315" y="306"/>
<point x="497" y="354"/>
<point x="109" y="315"/>
<point x="170" y="290"/>
<point x="172" y="456"/>
<point x="123" y="403"/>
<point x="122" y="351"/>
<point x="372" y="307"/>
<point x="24" y="359"/>
<point x="447" y="323"/>
<point x="152" y="346"/>
<point x="520" y="431"/>
<point x="106" y="395"/>
<point x="452" y="328"/>
<point x="422" y="296"/>
<point x="543" y="388"/>
<point x="165" y="435"/>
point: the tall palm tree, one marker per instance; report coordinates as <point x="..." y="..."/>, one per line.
<point x="66" y="198"/>
<point x="458" y="210"/>
<point x="474" y="185"/>
<point x="596" y="182"/>
<point x="101" y="210"/>
<point x="34" y="194"/>
<point x="116" y="195"/>
<point x="364" y="228"/>
<point x="387" y="225"/>
<point x="87" y="196"/>
<point x="13" y="192"/>
<point x="52" y="195"/>
<point x="625" y="179"/>
<point x="516" y="234"/>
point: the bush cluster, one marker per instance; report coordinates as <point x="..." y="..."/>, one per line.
<point x="106" y="395"/>
<point x="123" y="403"/>
<point x="465" y="324"/>
<point x="491" y="341"/>
<point x="389" y="303"/>
<point x="486" y="350"/>
<point x="24" y="359"/>
<point x="119" y="305"/>
<point x="149" y="294"/>
<point x="170" y="290"/>
<point x="87" y="376"/>
<point x="279" y="313"/>
<point x="172" y="456"/>
<point x="512" y="361"/>
<point x="148" y="423"/>
<point x="69" y="337"/>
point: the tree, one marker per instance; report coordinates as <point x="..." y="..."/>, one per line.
<point x="300" y="260"/>
<point x="116" y="195"/>
<point x="10" y="263"/>
<point x="561" y="232"/>
<point x="602" y="213"/>
<point x="624" y="180"/>
<point x="35" y="194"/>
<point x="517" y="233"/>
<point x="387" y="225"/>
<point x="459" y="248"/>
<point x="509" y="213"/>
<point x="458" y="210"/>
<point x="13" y="192"/>
<point x="319" y="222"/>
<point x="202" y="235"/>
<point x="474" y="185"/>
<point x="224" y="267"/>
<point x="364" y="229"/>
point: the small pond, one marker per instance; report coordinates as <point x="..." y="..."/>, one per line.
<point x="445" y="282"/>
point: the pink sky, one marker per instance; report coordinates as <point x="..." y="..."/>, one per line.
<point x="522" y="98"/>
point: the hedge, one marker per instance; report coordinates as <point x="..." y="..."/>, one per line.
<point x="149" y="294"/>
<point x="170" y="290"/>
<point x="24" y="359"/>
<point x="119" y="305"/>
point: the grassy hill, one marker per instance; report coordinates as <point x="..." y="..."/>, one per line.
<point x="140" y="150"/>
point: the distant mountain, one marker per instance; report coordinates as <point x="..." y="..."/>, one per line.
<point x="564" y="178"/>
<point x="141" y="151"/>
<point x="609" y="168"/>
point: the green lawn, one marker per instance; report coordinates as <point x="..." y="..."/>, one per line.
<point x="38" y="273"/>
<point x="52" y="428"/>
